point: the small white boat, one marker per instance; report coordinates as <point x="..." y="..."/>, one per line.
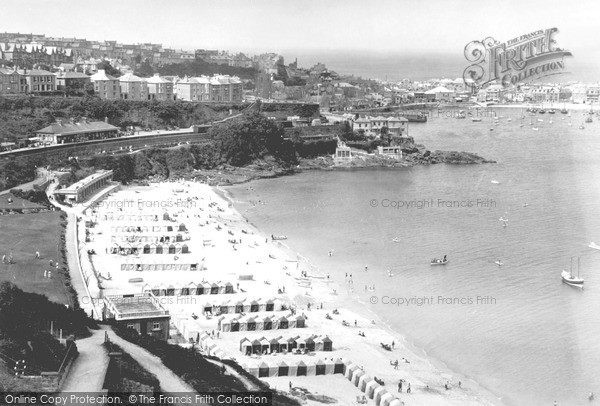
<point x="594" y="246"/>
<point x="534" y="128"/>
<point x="540" y="120"/>
<point x="499" y="263"/>
<point x="503" y="219"/>
<point x="396" y="239"/>
<point x="439" y="261"/>
<point x="525" y="204"/>
<point x="278" y="237"/>
<point x="495" y="182"/>
<point x="570" y="279"/>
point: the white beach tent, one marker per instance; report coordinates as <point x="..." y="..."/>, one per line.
<point x="253" y="370"/>
<point x="378" y="394"/>
<point x="311" y="368"/>
<point x="329" y="367"/>
<point x="350" y="371"/>
<point x="356" y="376"/>
<point x="292" y="368"/>
<point x="386" y="399"/>
<point x="363" y="381"/>
<point x="273" y="369"/>
<point x="371" y="387"/>
<point x="396" y="402"/>
<point x="245" y="346"/>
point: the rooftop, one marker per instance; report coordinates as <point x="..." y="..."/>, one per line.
<point x="64" y="128"/>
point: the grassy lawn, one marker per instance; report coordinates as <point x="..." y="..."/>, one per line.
<point x="17" y="203"/>
<point x="23" y="235"/>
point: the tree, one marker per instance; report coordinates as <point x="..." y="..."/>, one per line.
<point x="108" y="68"/>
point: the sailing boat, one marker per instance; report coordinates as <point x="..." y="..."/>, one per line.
<point x="551" y="111"/>
<point x="569" y="278"/>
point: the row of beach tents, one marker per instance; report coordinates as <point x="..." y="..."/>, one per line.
<point x="280" y="344"/>
<point x="136" y="249"/>
<point x="150" y="228"/>
<point x="295" y="368"/>
<point x="191" y="289"/>
<point x="161" y="238"/>
<point x="160" y="266"/>
<point x="257" y="323"/>
<point x="369" y="386"/>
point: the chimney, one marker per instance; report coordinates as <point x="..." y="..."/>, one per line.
<point x="106" y="119"/>
<point x="59" y="122"/>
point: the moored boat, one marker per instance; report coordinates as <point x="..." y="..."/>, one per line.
<point x="594" y="246"/>
<point x="570" y="279"/>
<point x="439" y="261"/>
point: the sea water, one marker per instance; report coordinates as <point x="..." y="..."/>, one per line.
<point x="515" y="329"/>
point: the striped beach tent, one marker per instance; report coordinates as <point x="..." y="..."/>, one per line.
<point x="350" y="371"/>
<point x="386" y="399"/>
<point x="284" y="369"/>
<point x="246" y="346"/>
<point x="311" y="368"/>
<point x="274" y="344"/>
<point x="256" y="346"/>
<point x="253" y="370"/>
<point x="301" y="368"/>
<point x="378" y="394"/>
<point x="283" y="345"/>
<point x="273" y="369"/>
<point x="292" y="368"/>
<point x="327" y="344"/>
<point x="265" y="345"/>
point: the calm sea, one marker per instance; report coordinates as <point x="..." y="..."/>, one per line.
<point x="583" y="66"/>
<point x="537" y="339"/>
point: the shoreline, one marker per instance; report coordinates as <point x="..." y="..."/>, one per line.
<point x="352" y="302"/>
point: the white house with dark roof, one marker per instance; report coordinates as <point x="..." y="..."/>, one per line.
<point x="159" y="88"/>
<point x="106" y="86"/>
<point x="133" y="87"/>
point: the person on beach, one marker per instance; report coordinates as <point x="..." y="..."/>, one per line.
<point x="408" y="389"/>
<point x="393" y="344"/>
<point x="366" y="268"/>
<point x="400" y="386"/>
<point x="396" y="364"/>
<point x="459" y="384"/>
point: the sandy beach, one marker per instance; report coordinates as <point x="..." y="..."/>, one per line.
<point x="227" y="250"/>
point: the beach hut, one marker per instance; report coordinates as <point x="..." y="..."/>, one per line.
<point x="250" y="324"/>
<point x="270" y="305"/>
<point x="146" y="249"/>
<point x="182" y="227"/>
<point x="273" y="370"/>
<point x="259" y="321"/>
<point x="363" y="381"/>
<point x="311" y="369"/>
<point x="172" y="249"/>
<point x="320" y="368"/>
<point x="235" y="325"/>
<point x="292" y="343"/>
<point x="378" y="393"/>
<point x="267" y="323"/>
<point x="263" y="370"/>
<point x="256" y="346"/>
<point x="199" y="288"/>
<point x="300" y="321"/>
<point x="245" y="346"/>
<point x="301" y="343"/>
<point x="239" y="307"/>
<point x="214" y="289"/>
<point x="356" y="376"/>
<point x="253" y="370"/>
<point x="350" y="370"/>
<point x="370" y="389"/>
<point x="274" y="344"/>
<point x="292" y="368"/>
<point x="327" y="344"/>
<point x="310" y="344"/>
<point x="159" y="249"/>
<point x="223" y="324"/>
<point x="265" y="346"/>
<point x="329" y="366"/>
<point x="283" y="344"/>
<point x="228" y="287"/>
<point x="386" y="399"/>
<point x="170" y="291"/>
<point x="301" y="371"/>
<point x="339" y="367"/>
<point x="254" y="307"/>
<point x="318" y="343"/>
<point x="284" y="369"/>
<point x="283" y="323"/>
<point x="162" y="289"/>
<point x="207" y="307"/>
<point x="224" y="307"/>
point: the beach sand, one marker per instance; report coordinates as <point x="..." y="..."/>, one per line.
<point x="212" y="225"/>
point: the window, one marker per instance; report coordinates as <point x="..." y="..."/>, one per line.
<point x="130" y="325"/>
<point x="156" y="325"/>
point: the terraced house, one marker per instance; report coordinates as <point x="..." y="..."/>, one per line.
<point x="11" y="82"/>
<point x="106" y="86"/>
<point x="160" y="88"/>
<point x="39" y="81"/>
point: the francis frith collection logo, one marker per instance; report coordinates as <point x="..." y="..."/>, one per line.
<point x="522" y="59"/>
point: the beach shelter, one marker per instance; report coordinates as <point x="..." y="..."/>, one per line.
<point x="162" y="288"/>
<point x="292" y="368"/>
<point x="339" y="367"/>
<point x="251" y="324"/>
<point x="212" y="348"/>
<point x="370" y="389"/>
<point x="356" y="376"/>
<point x="274" y="344"/>
<point x="254" y="307"/>
<point x="300" y="321"/>
<point x="147" y="249"/>
<point x="228" y="287"/>
<point x="284" y="369"/>
<point x="270" y="305"/>
<point x="253" y="370"/>
<point x="329" y="367"/>
<point x="224" y="307"/>
<point x="267" y="323"/>
<point x="170" y="291"/>
<point x="214" y="289"/>
<point x="245" y="346"/>
<point x="189" y="289"/>
<point x="219" y="354"/>
<point x="311" y="369"/>
<point x="239" y="307"/>
<point x="182" y="227"/>
<point x="256" y="347"/>
<point x="283" y="323"/>
<point x="259" y="323"/>
<point x="310" y="344"/>
<point x="320" y="367"/>
<point x="263" y="370"/>
<point x="301" y="371"/>
<point x="265" y="345"/>
<point x="396" y="402"/>
<point x="292" y="343"/>
<point x="207" y="307"/>
<point x="327" y="344"/>
<point x="350" y="370"/>
<point x="235" y="325"/>
<point x="378" y="393"/>
<point x="301" y="343"/>
<point x="318" y="343"/>
<point x="386" y="399"/>
<point x="363" y="381"/>
<point x="283" y="344"/>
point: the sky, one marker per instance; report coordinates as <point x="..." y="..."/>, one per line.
<point x="255" y="26"/>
